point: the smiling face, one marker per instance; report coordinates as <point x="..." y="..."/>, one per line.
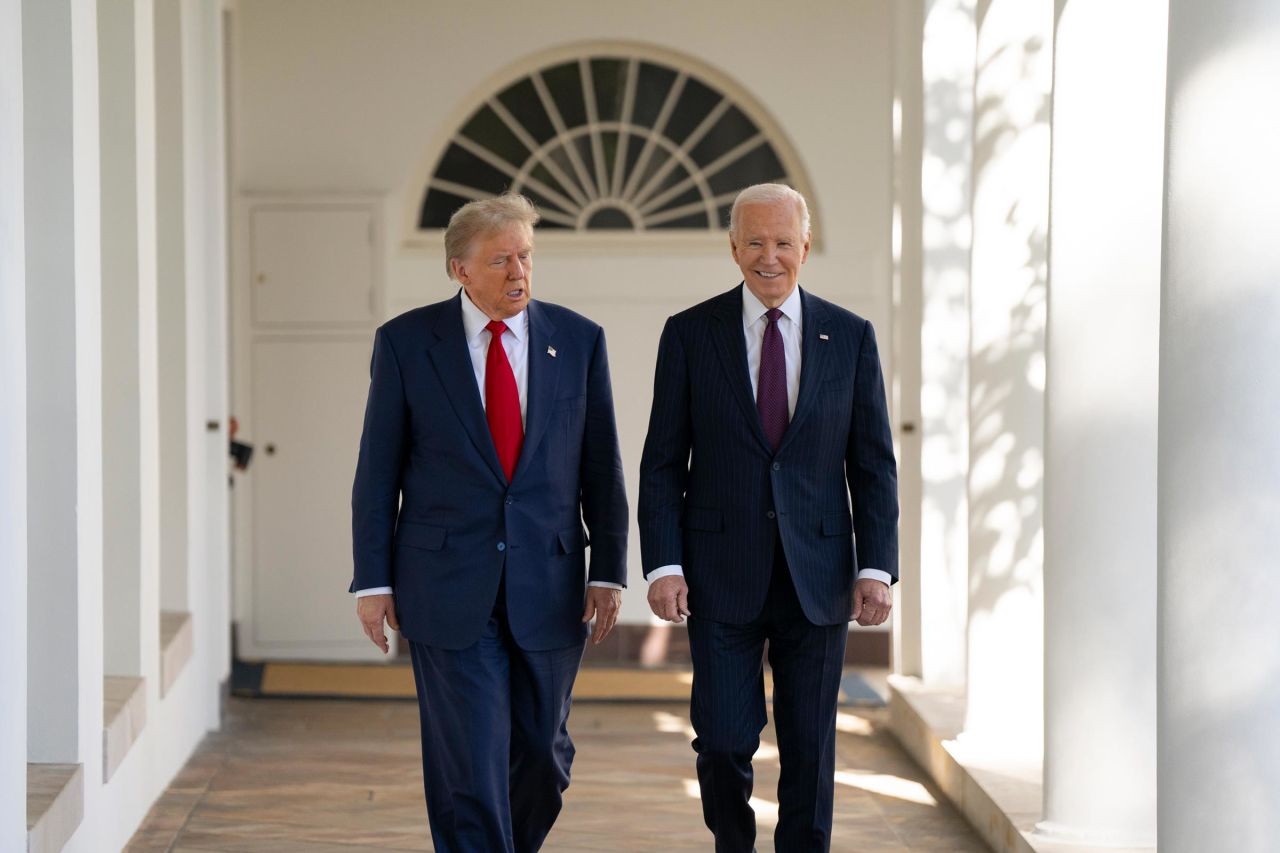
<point x="769" y="245"/>
<point x="497" y="272"/>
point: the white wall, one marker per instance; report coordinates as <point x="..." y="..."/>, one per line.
<point x="62" y="191"/>
<point x="118" y="55"/>
<point x="341" y="96"/>
<point x="171" y="307"/>
<point x="13" y="438"/>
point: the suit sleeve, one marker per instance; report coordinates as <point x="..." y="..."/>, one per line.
<point x="664" y="465"/>
<point x="604" y="494"/>
<point x="375" y="496"/>
<point x="870" y="466"/>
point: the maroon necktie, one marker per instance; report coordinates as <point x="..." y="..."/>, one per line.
<point x="502" y="402"/>
<point x="771" y="388"/>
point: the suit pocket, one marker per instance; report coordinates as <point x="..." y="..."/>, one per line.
<point x="700" y="518"/>
<point x="423" y="536"/>
<point x="572" y="541"/>
<point x="837" y="524"/>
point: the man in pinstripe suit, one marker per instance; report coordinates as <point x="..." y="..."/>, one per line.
<point x="768" y="511"/>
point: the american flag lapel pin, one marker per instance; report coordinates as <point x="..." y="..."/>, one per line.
<point x="551" y="351"/>
<point x="822" y="336"/>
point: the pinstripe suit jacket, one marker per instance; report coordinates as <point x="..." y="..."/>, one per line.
<point x="714" y="497"/>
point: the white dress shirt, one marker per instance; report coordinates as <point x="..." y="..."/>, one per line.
<point x="515" y="342"/>
<point x="791" y="325"/>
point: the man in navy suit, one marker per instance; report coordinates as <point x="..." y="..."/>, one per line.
<point x="489" y="441"/>
<point x="768" y="511"/>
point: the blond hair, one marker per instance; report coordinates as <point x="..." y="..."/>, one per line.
<point x="477" y="219"/>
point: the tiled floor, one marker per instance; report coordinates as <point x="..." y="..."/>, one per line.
<point x="344" y="776"/>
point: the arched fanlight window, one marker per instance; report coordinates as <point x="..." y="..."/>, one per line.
<point x="607" y="142"/>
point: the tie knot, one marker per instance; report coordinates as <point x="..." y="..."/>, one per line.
<point x="773" y="314"/>
<point x="496" y="328"/>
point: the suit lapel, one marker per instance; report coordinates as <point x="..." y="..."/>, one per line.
<point x="452" y="361"/>
<point x="731" y="344"/>
<point x="812" y="363"/>
<point x="544" y="377"/>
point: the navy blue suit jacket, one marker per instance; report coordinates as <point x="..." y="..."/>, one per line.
<point x="714" y="497"/>
<point x="433" y="514"/>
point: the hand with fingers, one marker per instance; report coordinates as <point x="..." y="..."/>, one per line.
<point x="872" y="602"/>
<point x="372" y="611"/>
<point x="602" y="605"/>
<point x="669" y="598"/>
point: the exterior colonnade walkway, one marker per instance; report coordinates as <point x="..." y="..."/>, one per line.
<point x="325" y="776"/>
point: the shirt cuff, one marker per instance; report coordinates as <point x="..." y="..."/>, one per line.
<point x="875" y="575"/>
<point x="605" y="584"/>
<point x="665" y="572"/>
<point x="374" y="590"/>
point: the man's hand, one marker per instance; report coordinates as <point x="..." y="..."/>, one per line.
<point x="372" y="610"/>
<point x="872" y="602"/>
<point x="669" y="598"/>
<point x="602" y="604"/>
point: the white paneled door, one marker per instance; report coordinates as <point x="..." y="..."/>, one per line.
<point x="311" y="279"/>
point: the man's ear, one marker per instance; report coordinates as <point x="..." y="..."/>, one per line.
<point x="459" y="271"/>
<point x="733" y="247"/>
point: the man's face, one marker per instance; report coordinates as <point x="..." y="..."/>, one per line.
<point x="497" y="272"/>
<point x="769" y="247"/>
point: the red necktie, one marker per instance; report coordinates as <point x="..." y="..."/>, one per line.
<point x="502" y="402"/>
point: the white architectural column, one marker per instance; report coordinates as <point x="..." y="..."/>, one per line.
<point x="171" y="304"/>
<point x="933" y="111"/>
<point x="55" y="408"/>
<point x="1100" y="429"/>
<point x="121" y="342"/>
<point x="87" y="236"/>
<point x="947" y="63"/>
<point x="13" y="440"/>
<point x="908" y="117"/>
<point x="144" y="81"/>
<point x="1006" y="375"/>
<point x="205" y="193"/>
<point x="1219" y="456"/>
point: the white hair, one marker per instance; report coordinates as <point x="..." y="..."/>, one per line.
<point x="769" y="194"/>
<point x="477" y="219"/>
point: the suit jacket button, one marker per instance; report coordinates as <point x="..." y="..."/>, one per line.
<point x="510" y="501"/>
<point x="777" y="466"/>
<point x="502" y="546"/>
<point x="771" y="514"/>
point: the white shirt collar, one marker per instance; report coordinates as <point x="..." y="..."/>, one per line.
<point x="474" y="320"/>
<point x="753" y="309"/>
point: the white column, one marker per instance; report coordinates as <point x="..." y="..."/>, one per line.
<point x="1006" y="375"/>
<point x="86" y="235"/>
<point x="947" y="64"/>
<point x="13" y="439"/>
<point x="148" y="521"/>
<point x="908" y="115"/>
<point x="1219" y="455"/>
<point x="934" y="44"/>
<point x="205" y="190"/>
<point x="1100" y="430"/>
<point x="55" y="408"/>
<point x="121" y="340"/>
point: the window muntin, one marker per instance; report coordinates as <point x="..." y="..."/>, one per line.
<point x="607" y="143"/>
